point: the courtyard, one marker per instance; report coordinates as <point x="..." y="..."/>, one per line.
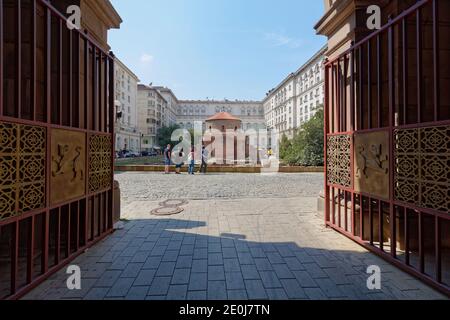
<point x="238" y="236"/>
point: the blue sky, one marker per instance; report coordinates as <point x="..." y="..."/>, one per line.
<point x="234" y="49"/>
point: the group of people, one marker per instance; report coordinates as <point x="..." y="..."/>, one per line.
<point x="190" y="159"/>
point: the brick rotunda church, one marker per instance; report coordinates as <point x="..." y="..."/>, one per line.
<point x="225" y="129"/>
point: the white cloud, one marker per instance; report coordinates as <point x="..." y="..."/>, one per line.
<point x="146" y="59"/>
<point x="280" y="40"/>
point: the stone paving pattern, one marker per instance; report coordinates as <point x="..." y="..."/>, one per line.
<point x="239" y="237"/>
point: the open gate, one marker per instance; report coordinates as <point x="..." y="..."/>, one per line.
<point x="56" y="143"/>
<point x="387" y="145"/>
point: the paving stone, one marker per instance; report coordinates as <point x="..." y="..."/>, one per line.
<point x="216" y="273"/>
<point x="177" y="292"/>
<point x="129" y="251"/>
<point x="293" y="289"/>
<point x="201" y="253"/>
<point x="181" y="276"/>
<point x="245" y="258"/>
<point x="283" y="271"/>
<point x="315" y="271"/>
<point x="108" y="278"/>
<point x="147" y="246"/>
<point x="159" y="286"/>
<point x="120" y="288"/>
<point x="255" y="290"/>
<point x="315" y="294"/>
<point x="170" y="256"/>
<point x="257" y="253"/>
<point x="304" y="279"/>
<point x="237" y="295"/>
<point x="276" y="294"/>
<point x="140" y="256"/>
<point x="165" y="269"/>
<point x="184" y="262"/>
<point x="217" y="290"/>
<point x="215" y="259"/>
<point x="137" y="293"/>
<point x="214" y="248"/>
<point x="132" y="270"/>
<point x="270" y="279"/>
<point x="199" y="266"/>
<point x="96" y="294"/>
<point x="231" y="265"/>
<point x="174" y="245"/>
<point x="274" y="258"/>
<point x="263" y="264"/>
<point x="187" y="250"/>
<point x="293" y="264"/>
<point x="234" y="280"/>
<point x="152" y="263"/>
<point x="329" y="288"/>
<point x="144" y="278"/>
<point x="198" y="282"/>
<point x="120" y="263"/>
<point x="158" y="251"/>
<point x="249" y="272"/>
<point x="229" y="252"/>
<point x="196" y="295"/>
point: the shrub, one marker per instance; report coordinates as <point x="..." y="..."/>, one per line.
<point x="306" y="148"/>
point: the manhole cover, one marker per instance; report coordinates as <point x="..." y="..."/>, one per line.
<point x="166" y="211"/>
<point x="173" y="203"/>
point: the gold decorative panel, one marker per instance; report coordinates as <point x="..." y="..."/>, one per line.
<point x="339" y="160"/>
<point x="22" y="169"/>
<point x="100" y="162"/>
<point x="372" y="163"/>
<point x="68" y="155"/>
<point x="422" y="173"/>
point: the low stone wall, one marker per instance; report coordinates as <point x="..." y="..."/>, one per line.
<point x="216" y="169"/>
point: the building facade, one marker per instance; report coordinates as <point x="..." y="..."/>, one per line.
<point x="168" y="114"/>
<point x="126" y="124"/>
<point x="151" y="108"/>
<point x="251" y="113"/>
<point x="297" y="98"/>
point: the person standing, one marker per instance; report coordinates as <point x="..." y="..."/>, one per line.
<point x="179" y="165"/>
<point x="167" y="159"/>
<point x="191" y="161"/>
<point x="204" y="165"/>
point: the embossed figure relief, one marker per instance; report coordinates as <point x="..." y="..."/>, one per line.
<point x="372" y="163"/>
<point x="339" y="160"/>
<point x="68" y="157"/>
<point x="100" y="162"/>
<point x="422" y="173"/>
<point x="22" y="169"/>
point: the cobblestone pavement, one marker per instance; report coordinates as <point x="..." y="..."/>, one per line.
<point x="267" y="243"/>
<point x="138" y="186"/>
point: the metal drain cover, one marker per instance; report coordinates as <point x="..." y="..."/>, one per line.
<point x="166" y="211"/>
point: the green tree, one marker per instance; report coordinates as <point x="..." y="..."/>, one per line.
<point x="285" y="146"/>
<point x="306" y="148"/>
<point x="164" y="135"/>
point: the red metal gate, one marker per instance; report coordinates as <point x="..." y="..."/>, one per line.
<point x="387" y="144"/>
<point x="56" y="143"/>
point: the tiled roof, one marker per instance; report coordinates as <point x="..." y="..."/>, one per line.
<point x="223" y="116"/>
